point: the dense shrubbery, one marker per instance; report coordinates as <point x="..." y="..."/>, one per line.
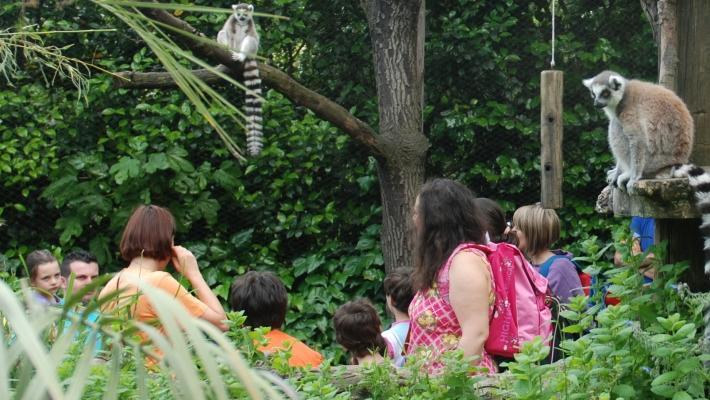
<point x="308" y="208"/>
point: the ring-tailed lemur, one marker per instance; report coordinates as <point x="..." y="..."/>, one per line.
<point x="239" y="34"/>
<point x="650" y="135"/>
<point x="650" y="130"/>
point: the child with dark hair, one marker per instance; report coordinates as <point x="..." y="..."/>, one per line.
<point x="494" y="218"/>
<point x="264" y="300"/>
<point x="358" y="329"/>
<point x="399" y="294"/>
<point x="45" y="278"/>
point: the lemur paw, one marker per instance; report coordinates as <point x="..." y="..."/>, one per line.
<point x="612" y="175"/>
<point x="239" y="56"/>
<point x="622" y="181"/>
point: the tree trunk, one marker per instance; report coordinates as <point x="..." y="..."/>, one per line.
<point x="397" y="35"/>
<point x="668" y="46"/>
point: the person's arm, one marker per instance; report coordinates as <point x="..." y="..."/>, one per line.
<point x="186" y="264"/>
<point x="469" y="292"/>
<point x="646" y="267"/>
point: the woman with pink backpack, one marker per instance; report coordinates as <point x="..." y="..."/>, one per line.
<point x="455" y="293"/>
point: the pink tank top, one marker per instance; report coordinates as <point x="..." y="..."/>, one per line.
<point x="434" y="327"/>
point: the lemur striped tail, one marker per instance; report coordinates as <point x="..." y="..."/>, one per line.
<point x="700" y="182"/>
<point x="252" y="107"/>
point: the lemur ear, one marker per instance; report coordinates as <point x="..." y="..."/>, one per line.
<point x="615" y="82"/>
<point x="588" y="83"/>
<point x="251" y="8"/>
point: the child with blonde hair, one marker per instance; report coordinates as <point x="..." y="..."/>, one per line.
<point x="537" y="229"/>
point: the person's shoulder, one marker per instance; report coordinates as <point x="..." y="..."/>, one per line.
<point x="159" y="276"/>
<point x="469" y="256"/>
<point x="562" y="260"/>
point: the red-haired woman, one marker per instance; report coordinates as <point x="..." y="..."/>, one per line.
<point x="147" y="245"/>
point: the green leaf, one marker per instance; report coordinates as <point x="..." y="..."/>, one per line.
<point x="625" y="391"/>
<point x="156" y="161"/>
<point x="70" y="227"/>
<point x="665" y="378"/>
<point x="666" y="391"/>
<point x="682" y="395"/>
<point x="177" y="162"/>
<point x="124" y="169"/>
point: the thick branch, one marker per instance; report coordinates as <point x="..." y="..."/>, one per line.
<point x="275" y="78"/>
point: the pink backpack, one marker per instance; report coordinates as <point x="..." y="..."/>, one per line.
<point x="520" y="311"/>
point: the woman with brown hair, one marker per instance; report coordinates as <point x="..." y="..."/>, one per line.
<point x="454" y="289"/>
<point x="147" y="245"/>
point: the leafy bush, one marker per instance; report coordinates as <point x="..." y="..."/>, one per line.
<point x="649" y="346"/>
<point x="52" y="352"/>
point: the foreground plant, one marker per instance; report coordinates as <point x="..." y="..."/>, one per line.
<point x="649" y="346"/>
<point x="45" y="353"/>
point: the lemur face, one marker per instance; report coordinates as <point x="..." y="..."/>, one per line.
<point x="242" y="12"/>
<point x="606" y="89"/>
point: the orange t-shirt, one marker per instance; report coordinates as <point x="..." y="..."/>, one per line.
<point x="301" y="355"/>
<point x="138" y="306"/>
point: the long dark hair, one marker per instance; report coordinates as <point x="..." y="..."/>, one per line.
<point x="494" y="217"/>
<point x="447" y="216"/>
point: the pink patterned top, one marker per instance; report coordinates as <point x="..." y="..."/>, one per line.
<point x="435" y="328"/>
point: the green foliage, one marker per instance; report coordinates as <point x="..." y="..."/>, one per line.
<point x="648" y="346"/>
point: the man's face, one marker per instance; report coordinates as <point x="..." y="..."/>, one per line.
<point x="84" y="273"/>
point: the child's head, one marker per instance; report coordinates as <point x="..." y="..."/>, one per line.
<point x="358" y="328"/>
<point x="398" y="289"/>
<point x="263" y="298"/>
<point x="494" y="217"/>
<point x="43" y="270"/>
<point x="537" y="228"/>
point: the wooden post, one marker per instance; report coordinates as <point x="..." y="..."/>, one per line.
<point x="551" y="84"/>
<point x="684" y="53"/>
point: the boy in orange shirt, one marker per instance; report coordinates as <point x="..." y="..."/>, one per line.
<point x="263" y="298"/>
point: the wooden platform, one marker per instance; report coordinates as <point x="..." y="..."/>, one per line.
<point x="672" y="203"/>
<point x="658" y="198"/>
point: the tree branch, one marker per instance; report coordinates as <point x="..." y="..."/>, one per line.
<point x="650" y="8"/>
<point x="275" y="78"/>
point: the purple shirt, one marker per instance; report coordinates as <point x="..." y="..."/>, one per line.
<point x="562" y="278"/>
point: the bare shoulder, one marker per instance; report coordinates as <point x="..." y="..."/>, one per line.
<point x="469" y="263"/>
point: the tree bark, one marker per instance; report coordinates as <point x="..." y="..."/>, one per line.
<point x="668" y="48"/>
<point x="650" y="8"/>
<point x="397" y="36"/>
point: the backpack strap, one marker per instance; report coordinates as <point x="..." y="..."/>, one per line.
<point x="545" y="267"/>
